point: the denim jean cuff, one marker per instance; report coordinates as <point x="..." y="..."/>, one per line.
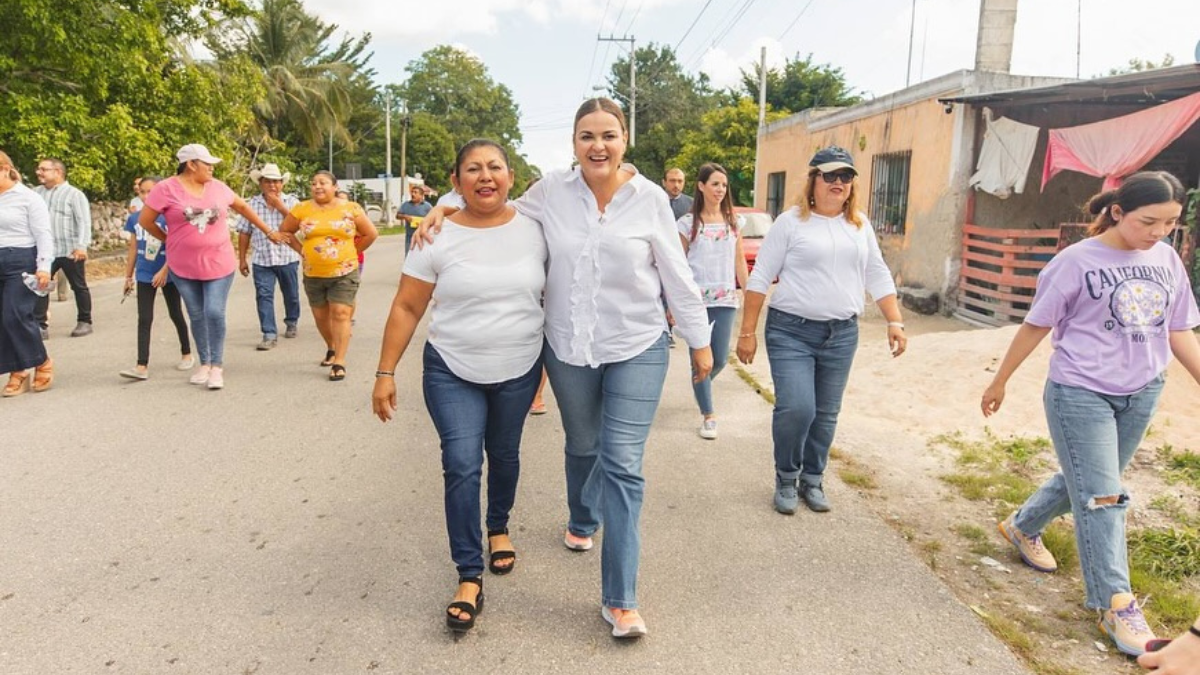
<point x="809" y="479"/>
<point x="787" y="475"/>
<point x="619" y="604"/>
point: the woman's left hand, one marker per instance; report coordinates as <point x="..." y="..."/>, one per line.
<point x="383" y="399"/>
<point x="702" y="364"/>
<point x="277" y="237"/>
<point x="897" y="340"/>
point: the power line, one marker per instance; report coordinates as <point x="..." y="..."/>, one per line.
<point x="595" y="50"/>
<point x="694" y="22"/>
<point x="738" y="17"/>
<point x="795" y="20"/>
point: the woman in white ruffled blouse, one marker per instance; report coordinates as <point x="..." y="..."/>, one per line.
<point x="614" y="253"/>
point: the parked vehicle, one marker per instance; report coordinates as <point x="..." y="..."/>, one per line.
<point x="757" y="224"/>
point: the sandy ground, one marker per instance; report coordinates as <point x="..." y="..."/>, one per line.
<point x="894" y="407"/>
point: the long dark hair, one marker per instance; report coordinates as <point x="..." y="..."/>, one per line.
<point x="706" y="171"/>
<point x="1141" y="189"/>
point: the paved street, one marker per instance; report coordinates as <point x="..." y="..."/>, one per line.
<point x="276" y="527"/>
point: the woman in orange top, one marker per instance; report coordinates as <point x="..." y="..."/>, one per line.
<point x="330" y="226"/>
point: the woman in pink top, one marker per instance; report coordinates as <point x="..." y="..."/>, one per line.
<point x="1119" y="305"/>
<point x="201" y="259"/>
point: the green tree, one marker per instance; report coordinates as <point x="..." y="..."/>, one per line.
<point x="669" y="102"/>
<point x="101" y="84"/>
<point x="308" y="82"/>
<point x="727" y="136"/>
<point x="454" y="90"/>
<point x="1136" y="65"/>
<point x="801" y="85"/>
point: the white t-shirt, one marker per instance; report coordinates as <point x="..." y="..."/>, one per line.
<point x="711" y="256"/>
<point x="487" y="299"/>
<point x="823" y="264"/>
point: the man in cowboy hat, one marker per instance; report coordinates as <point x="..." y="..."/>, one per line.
<point x="272" y="262"/>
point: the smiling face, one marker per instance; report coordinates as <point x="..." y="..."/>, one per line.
<point x="483" y="178"/>
<point x="1144" y="227"/>
<point x="714" y="189"/>
<point x="833" y="195"/>
<point x="599" y="146"/>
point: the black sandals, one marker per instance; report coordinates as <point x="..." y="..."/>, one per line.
<point x="337" y="373"/>
<point x="328" y="360"/>
<point x="496" y="557"/>
<point x="460" y="625"/>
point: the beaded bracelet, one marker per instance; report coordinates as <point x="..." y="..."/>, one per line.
<point x="385" y="373"/>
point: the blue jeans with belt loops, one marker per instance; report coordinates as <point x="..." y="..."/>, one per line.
<point x="474" y="420"/>
<point x="1095" y="436"/>
<point x="606" y="417"/>
<point x="810" y="365"/>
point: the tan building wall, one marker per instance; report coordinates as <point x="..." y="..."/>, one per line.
<point x="942" y="145"/>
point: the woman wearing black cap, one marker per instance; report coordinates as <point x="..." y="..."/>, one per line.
<point x="825" y="255"/>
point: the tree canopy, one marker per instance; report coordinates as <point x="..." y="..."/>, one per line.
<point x="728" y="136"/>
<point x="801" y="85"/>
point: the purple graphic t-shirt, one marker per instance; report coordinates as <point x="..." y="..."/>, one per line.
<point x="1111" y="312"/>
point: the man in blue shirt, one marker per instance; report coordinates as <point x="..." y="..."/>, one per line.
<point x="411" y="213"/>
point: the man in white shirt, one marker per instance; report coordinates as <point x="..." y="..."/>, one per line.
<point x="71" y="227"/>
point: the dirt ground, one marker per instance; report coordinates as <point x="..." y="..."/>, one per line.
<point x="892" y="410"/>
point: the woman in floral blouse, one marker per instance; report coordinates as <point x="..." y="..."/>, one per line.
<point x="329" y="227"/>
<point x="712" y="238"/>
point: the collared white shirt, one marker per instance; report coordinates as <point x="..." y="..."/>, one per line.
<point x="265" y="253"/>
<point x="25" y="223"/>
<point x="608" y="271"/>
<point x="823" y="264"/>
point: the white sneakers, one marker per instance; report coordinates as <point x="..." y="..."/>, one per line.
<point x="708" y="429"/>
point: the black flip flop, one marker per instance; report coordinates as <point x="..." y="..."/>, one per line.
<point x="337" y="373"/>
<point x="328" y="361"/>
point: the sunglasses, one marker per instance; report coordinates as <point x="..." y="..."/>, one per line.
<point x="832" y="177"/>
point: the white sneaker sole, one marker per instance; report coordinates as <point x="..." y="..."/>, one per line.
<point x="576" y="546"/>
<point x="634" y="630"/>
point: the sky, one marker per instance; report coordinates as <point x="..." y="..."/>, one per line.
<point x="547" y="52"/>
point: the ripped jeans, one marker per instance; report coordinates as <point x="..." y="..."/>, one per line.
<point x="1095" y="436"/>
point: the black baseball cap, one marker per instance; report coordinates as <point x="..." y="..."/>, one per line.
<point x="832" y="159"/>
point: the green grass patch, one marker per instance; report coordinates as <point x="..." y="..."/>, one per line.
<point x="971" y="532"/>
<point x="1059" y="539"/>
<point x="1176" y="509"/>
<point x="1023" y="642"/>
<point x="1172" y="554"/>
<point x="385" y="231"/>
<point x="856" y="477"/>
<point x="767" y="396"/>
<point x="1013" y="489"/>
<point x="1181" y="467"/>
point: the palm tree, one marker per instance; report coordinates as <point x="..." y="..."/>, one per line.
<point x="307" y="83"/>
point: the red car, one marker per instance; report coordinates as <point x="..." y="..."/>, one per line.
<point x="757" y="224"/>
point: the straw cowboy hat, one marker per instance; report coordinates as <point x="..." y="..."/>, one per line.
<point x="270" y="172"/>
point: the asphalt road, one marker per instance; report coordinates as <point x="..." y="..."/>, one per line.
<point x="277" y="527"/>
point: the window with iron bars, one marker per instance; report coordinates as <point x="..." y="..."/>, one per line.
<point x="889" y="191"/>
<point x="775" y="188"/>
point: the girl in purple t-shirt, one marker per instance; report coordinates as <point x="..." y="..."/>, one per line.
<point x="1118" y="305"/>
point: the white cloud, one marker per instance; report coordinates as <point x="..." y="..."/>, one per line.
<point x="725" y="70"/>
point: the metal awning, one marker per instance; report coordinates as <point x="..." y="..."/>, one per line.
<point x="1147" y="87"/>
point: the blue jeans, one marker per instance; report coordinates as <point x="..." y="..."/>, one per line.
<point x="810" y="364"/>
<point x="264" y="294"/>
<point x="471" y="420"/>
<point x="1095" y="436"/>
<point x="606" y="415"/>
<point x="721" y="319"/>
<point x="205" y="302"/>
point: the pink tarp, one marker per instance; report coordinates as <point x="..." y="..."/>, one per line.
<point x="1118" y="147"/>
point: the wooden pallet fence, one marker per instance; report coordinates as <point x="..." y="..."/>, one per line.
<point x="999" y="272"/>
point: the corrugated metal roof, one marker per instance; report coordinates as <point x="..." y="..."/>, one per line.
<point x="1151" y="86"/>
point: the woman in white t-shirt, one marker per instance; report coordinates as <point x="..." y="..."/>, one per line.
<point x="824" y="253"/>
<point x="482" y="363"/>
<point x="712" y="237"/>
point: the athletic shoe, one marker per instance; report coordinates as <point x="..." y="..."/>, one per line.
<point x="708" y="429"/>
<point x="200" y="376"/>
<point x="786" y="499"/>
<point x="1126" y="625"/>
<point x="626" y="627"/>
<point x="216" y="378"/>
<point x="267" y="344"/>
<point x="135" y="374"/>
<point x="82" y="328"/>
<point x="290" y="332"/>
<point x="186" y="363"/>
<point x="814" y="497"/>
<point x="1031" y="549"/>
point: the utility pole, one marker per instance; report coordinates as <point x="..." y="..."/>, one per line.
<point x="1078" y="36"/>
<point x="762" y="114"/>
<point x="632" y="82"/>
<point x="387" y="176"/>
<point x="331" y="148"/>
<point x="912" y="27"/>
<point x="404" y="122"/>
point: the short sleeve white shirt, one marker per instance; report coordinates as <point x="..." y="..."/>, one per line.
<point x="487" y="314"/>
<point x="711" y="256"/>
